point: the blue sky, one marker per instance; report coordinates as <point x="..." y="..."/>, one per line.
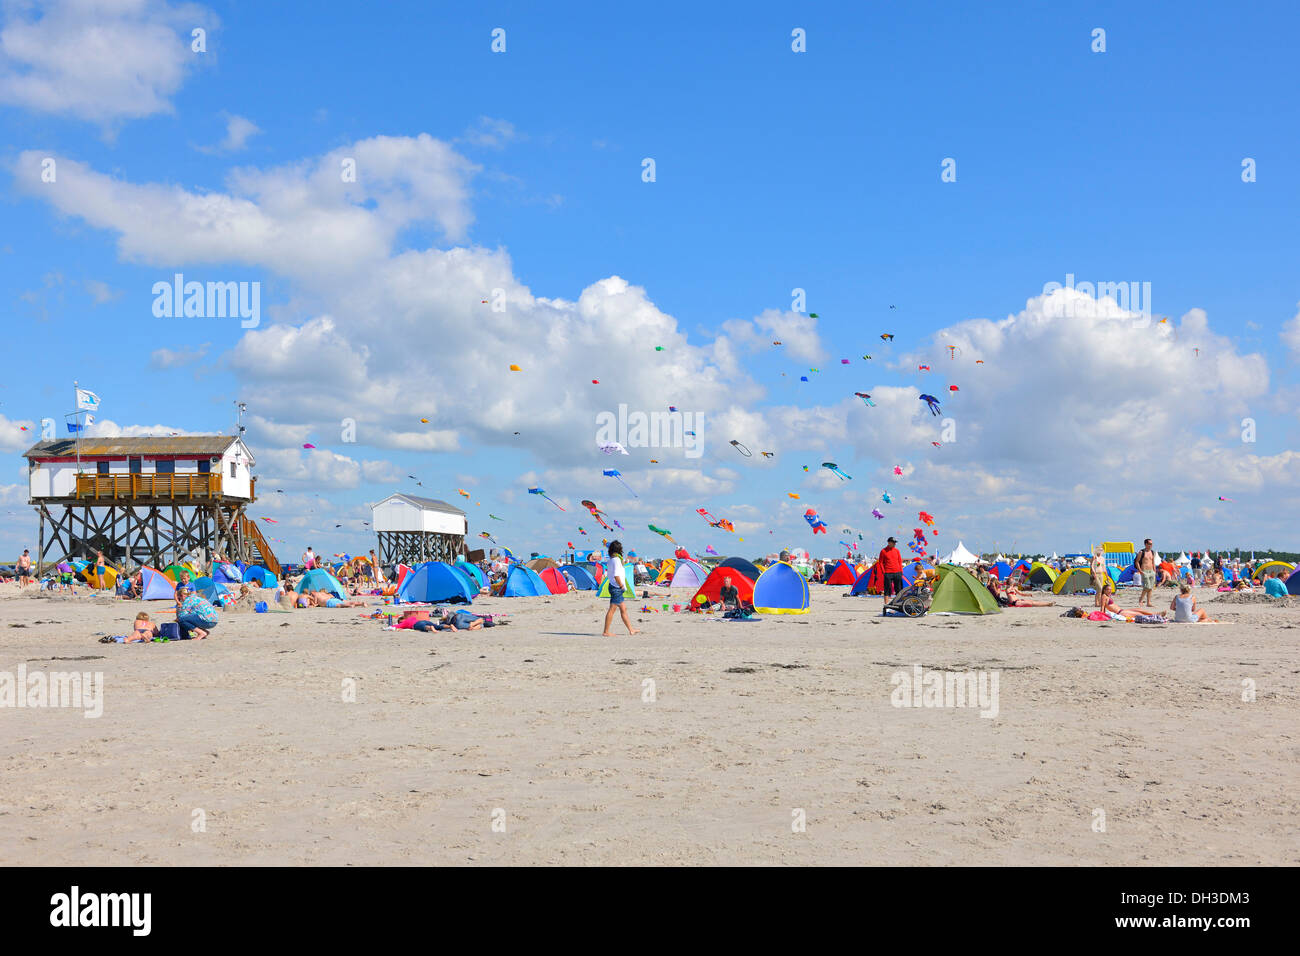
<point x="774" y="170"/>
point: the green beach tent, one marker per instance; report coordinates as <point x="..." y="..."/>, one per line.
<point x="1040" y="573"/>
<point x="1075" y="580"/>
<point x="960" y="592"/>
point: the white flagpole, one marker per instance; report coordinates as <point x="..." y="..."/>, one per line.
<point x="76" y="405"/>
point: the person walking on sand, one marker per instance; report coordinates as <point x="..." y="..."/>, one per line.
<point x="1147" y="561"/>
<point x="1098" y="569"/>
<point x="617" y="578"/>
<point x="25" y="569"/>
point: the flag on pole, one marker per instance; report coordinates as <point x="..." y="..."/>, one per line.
<point x="87" y="401"/>
<point x="74" y="428"/>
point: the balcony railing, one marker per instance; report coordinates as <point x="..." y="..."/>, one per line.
<point x="190" y="487"/>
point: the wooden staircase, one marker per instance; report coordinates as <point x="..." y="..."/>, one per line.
<point x="261" y="549"/>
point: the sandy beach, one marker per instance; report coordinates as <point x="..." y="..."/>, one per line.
<point x="241" y="749"/>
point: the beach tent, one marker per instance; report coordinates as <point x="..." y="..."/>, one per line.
<point x="540" y="564"/>
<point x="209" y="589"/>
<point x="666" y="569"/>
<point x="1293" y="582"/>
<point x="1075" y="580"/>
<point x="1000" y="569"/>
<point x="318" y="579"/>
<point x="173" y="572"/>
<point x="960" y="592"/>
<point x="259" y="576"/>
<point x="155" y="586"/>
<point x="108" y="581"/>
<point x="595" y="569"/>
<point x="524" y="582"/>
<point x="689" y="574"/>
<point x="1040" y="573"/>
<point x="711" y="589"/>
<point x="583" y="579"/>
<point x="1126" y="576"/>
<point x="1182" y="559"/>
<point x="226" y="574"/>
<point x="842" y="574"/>
<point x="1270" y="567"/>
<point x="433" y="582"/>
<point x="556" y="581"/>
<point x="1024" y="564"/>
<point x="781" y="590"/>
<point x="960" y="555"/>
<point x="747" y="568"/>
<point x="473" y="573"/>
<point x="863" y="585"/>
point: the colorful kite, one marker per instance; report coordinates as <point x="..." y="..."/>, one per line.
<point x="844" y="361"/>
<point x="462" y="492"/>
<point x="618" y="476"/>
<point x="270" y="521"/>
<point x="887" y="336"/>
<point x="866" y="397"/>
<point x="814" y="521"/>
<point x="835" y="470"/>
<point x="768" y="454"/>
<point x="886" y="499"/>
<point x="1221" y="498"/>
<point x="923" y="368"/>
<point x="875" y="513"/>
<point x="662" y="532"/>
<point x="742" y="449"/>
<point x="515" y="368"/>
<point x="611" y="448"/>
<point x="596" y="513"/>
<point x="308" y="445"/>
<point x="932" y="402"/>
<point x="494" y="517"/>
<point x="927" y="519"/>
<point x="898" y="470"/>
<point x="539" y="491"/>
<point x="791" y="494"/>
<point x="936" y="444"/>
<point x="953" y="388"/>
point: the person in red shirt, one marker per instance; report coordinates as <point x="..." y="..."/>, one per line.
<point x="891" y="565"/>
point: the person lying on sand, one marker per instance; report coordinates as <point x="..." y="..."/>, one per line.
<point x="1017" y="598"/>
<point x="1185" y="609"/>
<point x="324" y="599"/>
<point x="1111" y="606"/>
<point x="144" y="629"/>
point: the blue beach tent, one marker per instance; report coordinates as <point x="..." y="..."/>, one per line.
<point x="525" y="582"/>
<point x="781" y="590"/>
<point x="435" y="582"/>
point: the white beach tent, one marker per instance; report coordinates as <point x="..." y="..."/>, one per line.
<point x="1183" y="559"/>
<point x="960" y="556"/>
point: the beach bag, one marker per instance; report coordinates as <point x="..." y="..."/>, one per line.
<point x="169" y="630"/>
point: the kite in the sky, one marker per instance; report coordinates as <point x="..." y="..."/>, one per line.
<point x="659" y="348"/>
<point x="612" y="448"/>
<point x="953" y="351"/>
<point x="308" y="445"/>
<point x="866" y="397"/>
<point x="708" y="549"/>
<point x="715" y="522"/>
<point x="953" y="388"/>
<point x="539" y="491"/>
<point x="927" y="519"/>
<point x="898" y="470"/>
<point x="814" y="521"/>
<point x="462" y="492"/>
<point x="867" y="357"/>
<point x="932" y="402"/>
<point x="618" y="476"/>
<point x="774" y="342"/>
<point x="875" y="513"/>
<point x="768" y="454"/>
<point x="979" y="361"/>
<point x="791" y="494"/>
<point x="835" y="470"/>
<point x="416" y="480"/>
<point x="270" y="520"/>
<point x="672" y="408"/>
<point x="803" y="378"/>
<point x="515" y="368"/>
<point x="424" y="421"/>
<point x="1221" y="498"/>
<point x="805" y="467"/>
<point x="494" y="517"/>
<point x="844" y="361"/>
<point x="582" y="529"/>
<point x="595" y="381"/>
<point x="742" y="449"/>
<point x="887" y="336"/>
<point x="886" y="498"/>
<point x="923" y="368"/>
<point x="663" y="532"/>
<point x="654" y="461"/>
<point x="484" y="534"/>
<point x="596" y="513"/>
<point x="813" y="315"/>
<point x="936" y="444"/>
